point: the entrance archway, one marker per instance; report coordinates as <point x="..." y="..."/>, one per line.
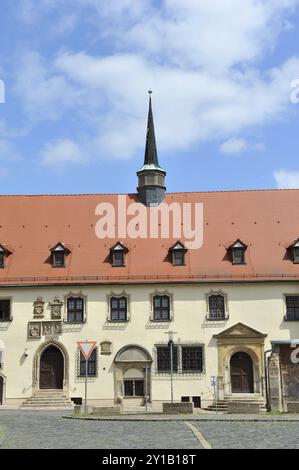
<point x="241" y="372"/>
<point x="1" y="389"/>
<point x="51" y="369"/>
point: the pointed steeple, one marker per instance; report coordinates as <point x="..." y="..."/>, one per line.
<point x="151" y="189"/>
<point x="151" y="156"/>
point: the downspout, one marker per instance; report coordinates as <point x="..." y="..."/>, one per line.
<point x="266" y="379"/>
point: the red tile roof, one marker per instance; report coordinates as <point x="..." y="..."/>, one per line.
<point x="266" y="221"/>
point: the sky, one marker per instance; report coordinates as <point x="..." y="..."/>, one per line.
<point x="224" y="75"/>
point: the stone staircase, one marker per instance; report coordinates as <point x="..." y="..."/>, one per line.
<point x="222" y="405"/>
<point x="48" y="399"/>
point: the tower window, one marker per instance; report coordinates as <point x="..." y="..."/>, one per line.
<point x="238" y="252"/>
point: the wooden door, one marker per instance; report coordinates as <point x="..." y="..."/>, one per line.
<point x="51" y="369"/>
<point x="1" y="389"/>
<point x="241" y="371"/>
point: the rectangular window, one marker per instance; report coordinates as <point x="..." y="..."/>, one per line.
<point x="134" y="388"/>
<point x="58" y="259"/>
<point x="91" y="365"/>
<point x="192" y="358"/>
<point x="161" y="308"/>
<point x="118" y="258"/>
<point x="238" y="256"/>
<point x="216" y="307"/>
<point x="2" y="258"/>
<point x="4" y="310"/>
<point x="163" y="358"/>
<point x="178" y="258"/>
<point x="75" y="310"/>
<point x="118" y="308"/>
<point x="296" y="254"/>
<point x="292" y="303"/>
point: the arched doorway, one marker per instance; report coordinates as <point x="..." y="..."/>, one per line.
<point x="51" y="369"/>
<point x="1" y="389"/>
<point x="241" y="372"/>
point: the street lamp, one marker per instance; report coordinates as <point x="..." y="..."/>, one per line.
<point x="170" y="345"/>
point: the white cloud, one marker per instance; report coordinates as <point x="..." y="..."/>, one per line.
<point x="286" y="179"/>
<point x="233" y="146"/>
<point x="8" y="153"/>
<point x="59" y="153"/>
<point x="202" y="61"/>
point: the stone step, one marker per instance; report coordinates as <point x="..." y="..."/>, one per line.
<point x="63" y="406"/>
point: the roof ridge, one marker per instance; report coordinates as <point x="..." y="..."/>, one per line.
<point x="135" y="194"/>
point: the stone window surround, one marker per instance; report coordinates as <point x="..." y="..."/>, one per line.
<point x="118" y="296"/>
<point x="76" y="296"/>
<point x="158" y="292"/>
<point x="226" y="311"/>
<point x="10" y="298"/>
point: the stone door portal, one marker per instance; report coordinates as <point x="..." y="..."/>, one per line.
<point x="51" y="369"/>
<point x="241" y="371"/>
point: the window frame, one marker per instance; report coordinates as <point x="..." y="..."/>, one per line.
<point x="118" y="309"/>
<point x="238" y="246"/>
<point x="75" y="298"/>
<point x="287" y="316"/>
<point x="225" y="301"/>
<point x="119" y="248"/>
<point x="178" y="357"/>
<point x="92" y="361"/>
<point x="2" y="317"/>
<point x="161" y="308"/>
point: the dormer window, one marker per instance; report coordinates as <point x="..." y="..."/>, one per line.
<point x="238" y="252"/>
<point x="59" y="252"/>
<point x="4" y="252"/>
<point x="295" y="251"/>
<point x="178" y="252"/>
<point x="118" y="254"/>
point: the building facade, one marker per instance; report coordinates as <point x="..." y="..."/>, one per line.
<point x="229" y="303"/>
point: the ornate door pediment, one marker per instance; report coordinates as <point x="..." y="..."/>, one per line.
<point x="241" y="331"/>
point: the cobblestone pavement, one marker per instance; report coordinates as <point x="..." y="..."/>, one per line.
<point x="48" y="430"/>
<point x="250" y="435"/>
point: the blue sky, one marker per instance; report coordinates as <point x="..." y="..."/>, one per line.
<point x="76" y="76"/>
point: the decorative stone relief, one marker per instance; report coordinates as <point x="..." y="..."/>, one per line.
<point x="106" y="348"/>
<point x="51" y="328"/>
<point x="56" y="306"/>
<point x="34" y="330"/>
<point x="38" y="308"/>
<point x="38" y="329"/>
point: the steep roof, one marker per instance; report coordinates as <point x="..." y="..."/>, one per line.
<point x="267" y="221"/>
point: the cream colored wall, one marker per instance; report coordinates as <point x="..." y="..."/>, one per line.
<point x="259" y="306"/>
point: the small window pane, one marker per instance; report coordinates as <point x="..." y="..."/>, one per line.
<point x="129" y="388"/>
<point x="292" y="303"/>
<point x="238" y="255"/>
<point x="192" y="358"/>
<point x="4" y="310"/>
<point x="91" y="364"/>
<point x="163" y="358"/>
<point x="75" y="310"/>
<point x="216" y="307"/>
<point x="139" y="392"/>
<point x="2" y="257"/>
<point x="58" y="259"/>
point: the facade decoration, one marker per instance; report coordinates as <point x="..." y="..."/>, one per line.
<point x="38" y="308"/>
